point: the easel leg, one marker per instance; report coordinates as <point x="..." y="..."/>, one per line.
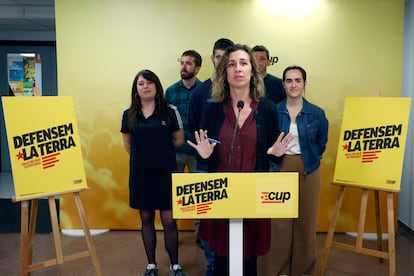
<point x="361" y="222"/>
<point x="55" y="229"/>
<point x="378" y="220"/>
<point x="331" y="231"/>
<point x="24" y="239"/>
<point x="391" y="234"/>
<point x="88" y="237"/>
<point x="32" y="228"/>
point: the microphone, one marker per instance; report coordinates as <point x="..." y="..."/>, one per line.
<point x="240" y="105"/>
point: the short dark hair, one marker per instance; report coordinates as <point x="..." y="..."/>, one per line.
<point x="295" y="67"/>
<point x="197" y="58"/>
<point x="261" y="48"/>
<point x="222" y="44"/>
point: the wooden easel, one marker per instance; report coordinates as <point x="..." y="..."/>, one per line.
<point x="358" y="247"/>
<point x="28" y="226"/>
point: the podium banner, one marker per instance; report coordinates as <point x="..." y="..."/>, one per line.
<point x="44" y="146"/>
<point x="235" y="195"/>
<point x="372" y="142"/>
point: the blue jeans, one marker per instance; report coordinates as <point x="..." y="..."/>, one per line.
<point x="209" y="254"/>
<point x="210" y="257"/>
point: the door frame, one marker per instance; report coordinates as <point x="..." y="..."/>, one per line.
<point x="47" y="51"/>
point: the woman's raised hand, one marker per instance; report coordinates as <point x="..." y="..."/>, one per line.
<point x="204" y="147"/>
<point x="281" y="145"/>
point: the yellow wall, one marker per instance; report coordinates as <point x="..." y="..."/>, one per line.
<point x="348" y="47"/>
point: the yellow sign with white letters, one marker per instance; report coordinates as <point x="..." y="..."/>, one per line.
<point x="235" y="195"/>
<point x="44" y="146"/>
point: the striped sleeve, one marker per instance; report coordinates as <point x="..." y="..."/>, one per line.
<point x="176" y="121"/>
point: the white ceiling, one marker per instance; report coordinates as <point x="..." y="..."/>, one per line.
<point x="27" y="16"/>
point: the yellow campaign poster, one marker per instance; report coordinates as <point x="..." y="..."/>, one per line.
<point x="235" y="195"/>
<point x="372" y="142"/>
<point x="44" y="146"/>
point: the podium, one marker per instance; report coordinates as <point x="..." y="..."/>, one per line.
<point x="235" y="196"/>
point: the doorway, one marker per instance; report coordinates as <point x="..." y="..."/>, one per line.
<point x="28" y="69"/>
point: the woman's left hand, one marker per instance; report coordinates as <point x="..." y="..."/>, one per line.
<point x="282" y="145"/>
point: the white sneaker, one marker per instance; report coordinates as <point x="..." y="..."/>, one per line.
<point x="152" y="270"/>
<point x="176" y="270"/>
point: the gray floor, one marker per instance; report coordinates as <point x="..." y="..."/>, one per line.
<point x="121" y="253"/>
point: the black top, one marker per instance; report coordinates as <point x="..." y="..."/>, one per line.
<point x="274" y="88"/>
<point x="152" y="160"/>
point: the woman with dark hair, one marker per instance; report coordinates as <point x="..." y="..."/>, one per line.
<point x="293" y="248"/>
<point x="151" y="130"/>
<point x="238" y="97"/>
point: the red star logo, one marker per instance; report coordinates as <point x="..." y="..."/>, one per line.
<point x="19" y="155"/>
<point x="345" y="147"/>
<point x="180" y="201"/>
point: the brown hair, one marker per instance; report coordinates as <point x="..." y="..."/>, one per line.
<point x="221" y="90"/>
<point x="161" y="105"/>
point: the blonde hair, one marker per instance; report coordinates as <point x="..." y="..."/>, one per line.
<point x="221" y="90"/>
